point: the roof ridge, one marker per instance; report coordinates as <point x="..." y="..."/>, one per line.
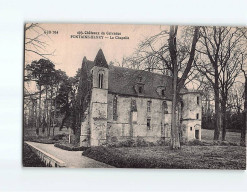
<point x="140" y="70"/>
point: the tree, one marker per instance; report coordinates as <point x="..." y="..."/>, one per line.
<point x="243" y="68"/>
<point x="59" y="77"/>
<point x="178" y="83"/>
<point x="63" y="99"/>
<point x="235" y="107"/>
<point x="172" y="54"/>
<point x="219" y="63"/>
<point x="34" y="41"/>
<point x="40" y="72"/>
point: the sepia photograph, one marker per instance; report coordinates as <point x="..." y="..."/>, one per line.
<point x="134" y="96"/>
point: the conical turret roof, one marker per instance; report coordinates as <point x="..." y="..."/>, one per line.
<point x="100" y="59"/>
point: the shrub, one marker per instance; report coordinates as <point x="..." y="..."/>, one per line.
<point x="162" y="142"/>
<point x="126" y="143"/>
<point x="70" y="147"/>
<point x="44" y="140"/>
<point x="140" y="142"/>
<point x="59" y="137"/>
<point x="225" y="143"/>
<point x="113" y="139"/>
<point x="195" y="142"/>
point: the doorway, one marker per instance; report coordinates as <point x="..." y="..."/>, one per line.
<point x="197" y="134"/>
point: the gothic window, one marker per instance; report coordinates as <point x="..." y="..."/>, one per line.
<point x="165" y="107"/>
<point x="197" y="116"/>
<point x="140" y="89"/>
<point x="149" y="106"/>
<point x="163" y="92"/>
<point x="115" y="108"/>
<point x="133" y="105"/>
<point x="191" y="128"/>
<point x="101" y="81"/>
<point x="198" y="100"/>
<point x="148" y="123"/>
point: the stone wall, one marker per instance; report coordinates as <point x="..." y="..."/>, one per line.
<point x="124" y="127"/>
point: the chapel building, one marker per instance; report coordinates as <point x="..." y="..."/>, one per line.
<point x="125" y="103"/>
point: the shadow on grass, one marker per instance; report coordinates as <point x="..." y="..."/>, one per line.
<point x="189" y="157"/>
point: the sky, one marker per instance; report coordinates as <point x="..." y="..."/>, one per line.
<point x="68" y="45"/>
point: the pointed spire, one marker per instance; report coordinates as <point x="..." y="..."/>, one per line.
<point x="84" y="59"/>
<point x="100" y="60"/>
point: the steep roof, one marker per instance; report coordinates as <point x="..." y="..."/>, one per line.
<point x="100" y="60"/>
<point x="123" y="81"/>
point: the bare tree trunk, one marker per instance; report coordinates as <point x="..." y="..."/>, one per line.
<point x="223" y="119"/>
<point x="54" y="115"/>
<point x="217" y="106"/>
<point x="243" y="130"/>
<point x="35" y="114"/>
<point x="32" y="115"/>
<point x="39" y="113"/>
<point x="49" y="124"/>
<point x="46" y="111"/>
<point x="175" y="142"/>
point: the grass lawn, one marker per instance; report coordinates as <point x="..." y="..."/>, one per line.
<point x="59" y="136"/>
<point x="189" y="157"/>
<point x="208" y="135"/>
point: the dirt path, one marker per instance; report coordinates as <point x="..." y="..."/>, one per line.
<point x="73" y="159"/>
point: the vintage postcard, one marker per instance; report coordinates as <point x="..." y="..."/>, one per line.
<point x="134" y="96"/>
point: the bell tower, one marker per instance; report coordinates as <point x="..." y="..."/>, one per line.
<point x="98" y="108"/>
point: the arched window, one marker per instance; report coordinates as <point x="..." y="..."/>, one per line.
<point x="148" y="123"/>
<point x="198" y="100"/>
<point x="115" y="108"/>
<point x="165" y="107"/>
<point x="140" y="89"/>
<point x="149" y="103"/>
<point x="101" y="81"/>
<point x="163" y="92"/>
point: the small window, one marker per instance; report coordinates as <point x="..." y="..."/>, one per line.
<point x="140" y="89"/>
<point x="133" y="105"/>
<point x="197" y="116"/>
<point x="163" y="92"/>
<point x="149" y="106"/>
<point x="148" y="123"/>
<point x="191" y="128"/>
<point x="198" y="100"/>
<point x="115" y="108"/>
<point x="101" y="81"/>
<point x="165" y="107"/>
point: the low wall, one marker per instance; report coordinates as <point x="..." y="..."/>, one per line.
<point x="48" y="159"/>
